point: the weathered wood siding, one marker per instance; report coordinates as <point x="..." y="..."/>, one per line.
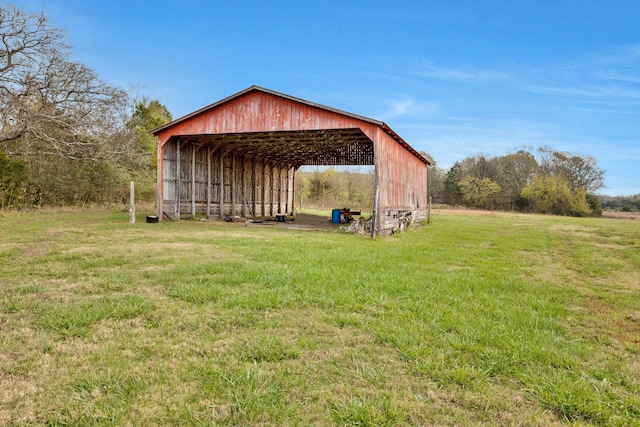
<point x="246" y="187"/>
<point x="262" y="112"/>
<point x="402" y="181"/>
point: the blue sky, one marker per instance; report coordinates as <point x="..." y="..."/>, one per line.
<point x="453" y="78"/>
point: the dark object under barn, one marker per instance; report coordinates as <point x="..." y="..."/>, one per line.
<point x="239" y="156"/>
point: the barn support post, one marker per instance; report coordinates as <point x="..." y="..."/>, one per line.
<point x="272" y="177"/>
<point x="177" y="195"/>
<point x="160" y="182"/>
<point x="208" y="182"/>
<point x="233" y="185"/>
<point x="279" y="188"/>
<point x="286" y="189"/>
<point x="264" y="190"/>
<point x="193" y="180"/>
<point x="253" y="189"/>
<point x="293" y="185"/>
<point x="244" y="188"/>
<point x="221" y="185"/>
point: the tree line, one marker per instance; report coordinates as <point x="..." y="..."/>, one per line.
<point x="542" y="181"/>
<point x="335" y="188"/>
<point x="66" y="136"/>
<point x="621" y="203"/>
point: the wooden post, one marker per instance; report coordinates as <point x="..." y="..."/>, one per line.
<point x="286" y="186"/>
<point x="132" y="204"/>
<point x="264" y="189"/>
<point x="253" y="188"/>
<point x="244" y="188"/>
<point x="374" y="216"/>
<point x="208" y="182"/>
<point x="272" y="178"/>
<point x="221" y="185"/>
<point x="160" y="182"/>
<point x="233" y="185"/>
<point x="193" y="180"/>
<point x="293" y="191"/>
<point x="280" y="189"/>
<point x="177" y="204"/>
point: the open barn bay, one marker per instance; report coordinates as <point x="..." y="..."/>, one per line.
<point x="471" y="320"/>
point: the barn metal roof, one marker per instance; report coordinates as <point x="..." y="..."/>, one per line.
<point x="322" y="147"/>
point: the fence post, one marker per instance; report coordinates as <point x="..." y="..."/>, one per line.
<point x="374" y="216"/>
<point x="132" y="204"/>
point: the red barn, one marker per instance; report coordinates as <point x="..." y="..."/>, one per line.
<point x="239" y="156"/>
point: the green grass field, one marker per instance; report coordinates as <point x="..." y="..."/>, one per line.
<point x="470" y="320"/>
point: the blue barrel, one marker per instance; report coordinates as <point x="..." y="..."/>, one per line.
<point x="335" y="216"/>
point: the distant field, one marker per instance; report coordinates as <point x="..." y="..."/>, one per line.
<point x="470" y="320"/>
<point x="622" y="215"/>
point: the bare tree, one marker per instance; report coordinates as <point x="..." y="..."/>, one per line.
<point x="515" y="171"/>
<point x="579" y="172"/>
<point x="49" y="103"/>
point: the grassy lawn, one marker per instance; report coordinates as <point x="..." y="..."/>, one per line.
<point x="470" y="320"/>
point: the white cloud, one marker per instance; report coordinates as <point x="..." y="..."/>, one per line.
<point x="589" y="91"/>
<point x="407" y="106"/>
<point x="428" y="69"/>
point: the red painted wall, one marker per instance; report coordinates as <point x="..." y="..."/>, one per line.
<point x="262" y="112"/>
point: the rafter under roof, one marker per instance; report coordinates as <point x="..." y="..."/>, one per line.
<point x="323" y="147"/>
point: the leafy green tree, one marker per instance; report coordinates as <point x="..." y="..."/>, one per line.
<point x="552" y="195"/>
<point x="148" y="115"/>
<point x="594" y="205"/>
<point x="479" y="192"/>
<point x="452" y="193"/>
